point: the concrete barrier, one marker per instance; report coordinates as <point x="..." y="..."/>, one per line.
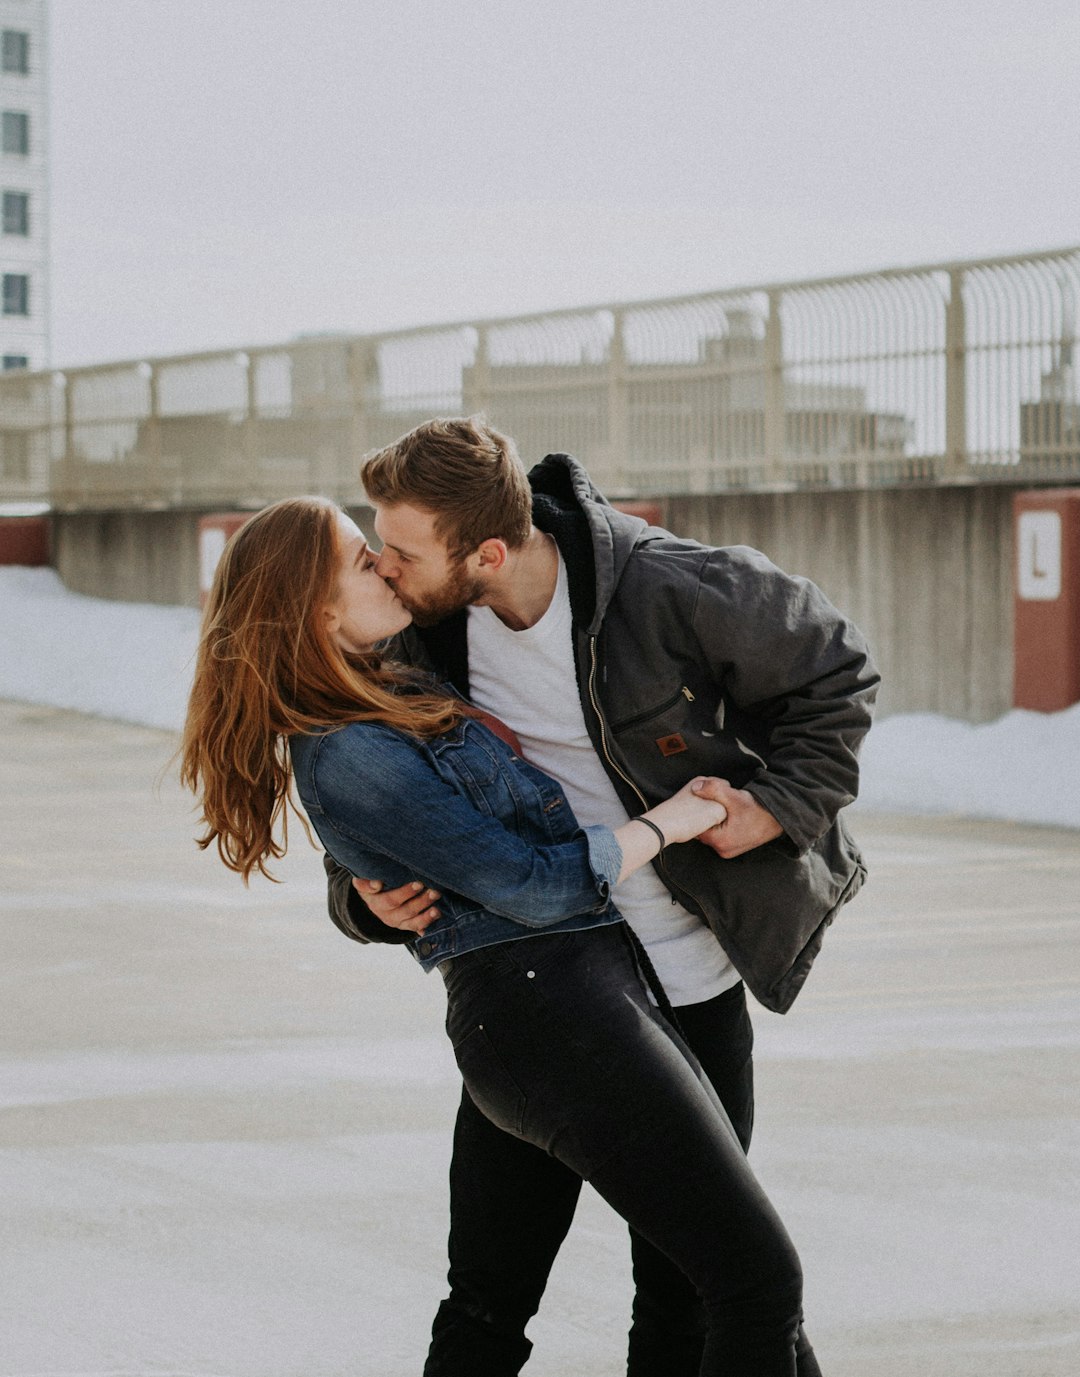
<point x="926" y="572"/>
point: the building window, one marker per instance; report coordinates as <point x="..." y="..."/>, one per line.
<point x="14" y="132"/>
<point x="16" y="212"/>
<point x="16" y="294"/>
<point x="15" y="51"/>
<point x="14" y="361"/>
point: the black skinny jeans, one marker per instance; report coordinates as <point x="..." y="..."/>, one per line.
<point x="559" y="1045"/>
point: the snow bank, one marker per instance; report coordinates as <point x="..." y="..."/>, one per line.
<point x="133" y="661"/>
<point x="130" y="661"/>
<point x="1023" y="767"/>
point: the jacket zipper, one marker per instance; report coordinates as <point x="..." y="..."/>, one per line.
<point x="603" y="726"/>
<point x="683" y="692"/>
<point x="660" y="862"/>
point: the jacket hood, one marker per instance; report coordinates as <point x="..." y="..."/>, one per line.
<point x="566" y="505"/>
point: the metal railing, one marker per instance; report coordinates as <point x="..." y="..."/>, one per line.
<point x="950" y="373"/>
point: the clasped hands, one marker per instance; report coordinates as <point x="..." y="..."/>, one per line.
<point x="411" y="907"/>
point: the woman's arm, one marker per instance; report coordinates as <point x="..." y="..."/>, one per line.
<point x="409" y="908"/>
<point x="679" y="818"/>
<point x="377" y="794"/>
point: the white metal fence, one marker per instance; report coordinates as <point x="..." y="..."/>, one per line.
<point x="952" y="373"/>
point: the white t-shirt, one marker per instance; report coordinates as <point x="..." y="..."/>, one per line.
<point x="527" y="679"/>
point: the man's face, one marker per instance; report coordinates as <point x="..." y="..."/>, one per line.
<point x="415" y="562"/>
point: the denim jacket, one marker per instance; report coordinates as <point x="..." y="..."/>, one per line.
<point x="465" y="815"/>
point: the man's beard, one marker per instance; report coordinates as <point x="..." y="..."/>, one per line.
<point x="457" y="592"/>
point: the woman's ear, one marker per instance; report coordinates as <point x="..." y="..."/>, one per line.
<point x="331" y="618"/>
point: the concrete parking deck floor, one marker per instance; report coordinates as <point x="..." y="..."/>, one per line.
<point x="224" y="1129"/>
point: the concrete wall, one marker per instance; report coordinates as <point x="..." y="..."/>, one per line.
<point x="130" y="556"/>
<point x="927" y="574"/>
<point x="135" y="556"/>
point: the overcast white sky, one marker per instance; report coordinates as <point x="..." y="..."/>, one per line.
<point x="231" y="172"/>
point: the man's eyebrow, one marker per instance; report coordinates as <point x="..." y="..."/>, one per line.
<point x="399" y="550"/>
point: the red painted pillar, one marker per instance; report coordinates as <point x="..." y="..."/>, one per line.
<point x="24" y="540"/>
<point x="1046" y="656"/>
<point x="648" y="511"/>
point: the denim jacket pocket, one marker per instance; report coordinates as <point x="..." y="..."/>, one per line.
<point x="469" y="759"/>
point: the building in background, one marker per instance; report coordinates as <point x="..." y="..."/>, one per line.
<point x="24" y="227"/>
<point x="1051" y="425"/>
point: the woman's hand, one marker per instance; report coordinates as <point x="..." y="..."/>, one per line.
<point x="683" y="816"/>
<point x="408" y="907"/>
<point x="691" y="811"/>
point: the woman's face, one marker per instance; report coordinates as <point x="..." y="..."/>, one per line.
<point x="364" y="608"/>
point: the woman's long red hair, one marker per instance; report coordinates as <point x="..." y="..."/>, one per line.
<point x="268" y="668"/>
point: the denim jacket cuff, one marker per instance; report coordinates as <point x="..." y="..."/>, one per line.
<point x="605" y="856"/>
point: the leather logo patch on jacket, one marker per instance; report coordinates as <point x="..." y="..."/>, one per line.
<point x="671" y="745"/>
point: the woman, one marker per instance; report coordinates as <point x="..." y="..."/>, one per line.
<point x="554" y="1031"/>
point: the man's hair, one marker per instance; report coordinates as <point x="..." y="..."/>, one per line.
<point x="466" y="474"/>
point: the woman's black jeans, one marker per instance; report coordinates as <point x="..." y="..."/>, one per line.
<point x="559" y="1044"/>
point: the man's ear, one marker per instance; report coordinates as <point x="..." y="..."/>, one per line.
<point x="491" y="554"/>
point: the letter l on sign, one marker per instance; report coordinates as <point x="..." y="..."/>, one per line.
<point x="1038" y="556"/>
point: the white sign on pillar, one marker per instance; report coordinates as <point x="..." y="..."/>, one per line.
<point x="211" y="548"/>
<point x="1038" y="556"/>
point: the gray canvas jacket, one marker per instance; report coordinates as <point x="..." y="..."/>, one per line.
<point x="694" y="660"/>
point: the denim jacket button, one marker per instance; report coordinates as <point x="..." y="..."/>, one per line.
<point x="426" y="948"/>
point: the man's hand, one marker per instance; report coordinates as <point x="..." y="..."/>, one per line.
<point x="747" y="824"/>
<point x="408" y="907"/>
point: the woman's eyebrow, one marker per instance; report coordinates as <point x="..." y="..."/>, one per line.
<point x="363" y="550"/>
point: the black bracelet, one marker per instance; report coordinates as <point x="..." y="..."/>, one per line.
<point x="653" y="828"/>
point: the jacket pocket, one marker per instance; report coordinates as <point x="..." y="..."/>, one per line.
<point x="637" y="718"/>
<point x="676" y="739"/>
<point x="470" y="762"/>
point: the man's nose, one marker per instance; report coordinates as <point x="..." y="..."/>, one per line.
<point x="384" y="565"/>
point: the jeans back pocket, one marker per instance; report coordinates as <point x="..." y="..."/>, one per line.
<point x="492" y="1088"/>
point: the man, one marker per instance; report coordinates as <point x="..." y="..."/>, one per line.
<point x="626" y="661"/>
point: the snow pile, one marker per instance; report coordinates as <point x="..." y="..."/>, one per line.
<point x="130" y="661"/>
<point x="1022" y="768"/>
<point x="133" y="662"/>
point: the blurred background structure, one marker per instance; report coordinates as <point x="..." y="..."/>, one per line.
<point x="873" y="430"/>
<point x="868" y="431"/>
<point x="949" y="374"/>
<point x="24" y="185"/>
